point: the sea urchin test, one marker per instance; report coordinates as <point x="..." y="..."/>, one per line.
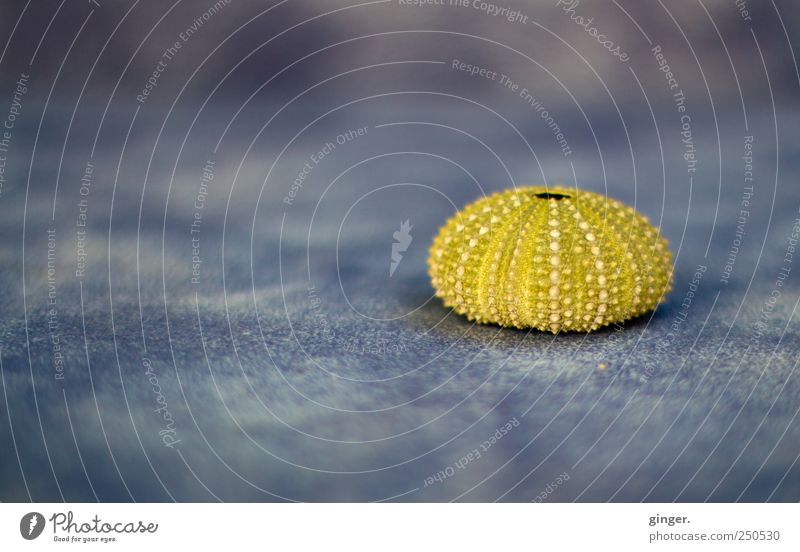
<point x="550" y="258"/>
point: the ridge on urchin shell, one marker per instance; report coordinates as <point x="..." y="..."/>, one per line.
<point x="550" y="258"/>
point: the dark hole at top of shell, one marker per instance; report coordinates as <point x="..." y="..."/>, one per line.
<point x="550" y="195"/>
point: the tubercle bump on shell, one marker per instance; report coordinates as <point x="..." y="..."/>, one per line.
<point x="551" y="258"/>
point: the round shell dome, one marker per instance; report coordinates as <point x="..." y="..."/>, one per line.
<point x="550" y="258"/>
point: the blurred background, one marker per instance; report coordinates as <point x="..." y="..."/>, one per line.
<point x="198" y="207"/>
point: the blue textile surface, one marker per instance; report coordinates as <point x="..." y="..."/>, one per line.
<point x="197" y="301"/>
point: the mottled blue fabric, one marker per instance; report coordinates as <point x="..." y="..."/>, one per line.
<point x="275" y="357"/>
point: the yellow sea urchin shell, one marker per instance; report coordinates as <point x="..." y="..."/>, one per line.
<point x="555" y="259"/>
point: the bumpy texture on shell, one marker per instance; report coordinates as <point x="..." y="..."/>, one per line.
<point x="555" y="259"/>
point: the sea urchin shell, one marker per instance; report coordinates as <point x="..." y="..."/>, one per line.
<point x="554" y="259"/>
